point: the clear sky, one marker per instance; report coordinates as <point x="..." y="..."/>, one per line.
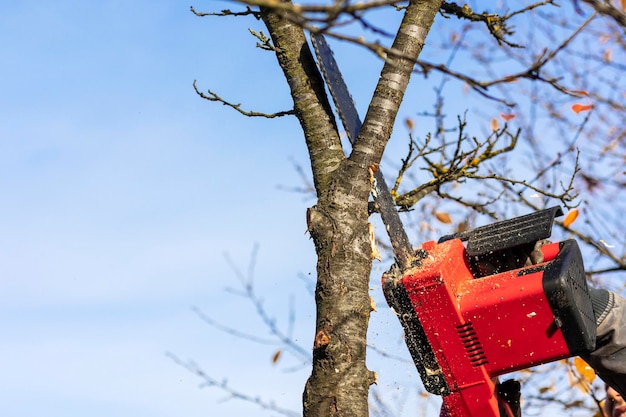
<point x="121" y="192"/>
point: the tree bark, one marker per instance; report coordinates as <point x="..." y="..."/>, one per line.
<point x="311" y="103"/>
<point x="338" y="223"/>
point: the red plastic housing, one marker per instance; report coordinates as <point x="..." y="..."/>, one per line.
<point x="479" y="328"/>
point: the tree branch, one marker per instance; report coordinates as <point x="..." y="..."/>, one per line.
<point x="211" y="96"/>
<point x="230" y="391"/>
<point x="607" y="9"/>
<point x="226" y="12"/>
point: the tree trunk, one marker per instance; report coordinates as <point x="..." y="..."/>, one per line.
<point x="338" y="223"/>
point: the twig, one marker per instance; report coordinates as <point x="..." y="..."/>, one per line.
<point x="211" y="96"/>
<point x="230" y="391"/>
<point x="227" y="12"/>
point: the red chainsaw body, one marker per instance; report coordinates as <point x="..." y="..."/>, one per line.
<point x="464" y="328"/>
<point x="481" y="328"/>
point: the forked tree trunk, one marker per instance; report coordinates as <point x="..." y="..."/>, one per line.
<point x="338" y="223"/>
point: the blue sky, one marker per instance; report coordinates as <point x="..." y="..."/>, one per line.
<point x="121" y="192"/>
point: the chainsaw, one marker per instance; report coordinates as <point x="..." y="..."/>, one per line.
<point x="481" y="303"/>
<point x="476" y="307"/>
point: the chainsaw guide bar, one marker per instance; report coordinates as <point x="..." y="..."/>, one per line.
<point x="402" y="248"/>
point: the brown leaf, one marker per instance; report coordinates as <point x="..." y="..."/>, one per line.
<point x="543" y="390"/>
<point x="443" y="217"/>
<point x="276" y="356"/>
<point x="494" y="124"/>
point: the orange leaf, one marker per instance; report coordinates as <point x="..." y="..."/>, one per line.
<point x="577" y="108"/>
<point x="586" y="372"/>
<point x="409" y="124"/>
<point x="507" y="117"/>
<point x="570" y="218"/>
<point x="443" y="217"/>
<point x="580" y="93"/>
<point x="276" y="356"/>
<point x="494" y="124"/>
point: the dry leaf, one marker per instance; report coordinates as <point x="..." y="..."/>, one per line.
<point x="586" y="372"/>
<point x="443" y="217"/>
<point x="494" y="124"/>
<point x="580" y="93"/>
<point x="409" y="123"/>
<point x="607" y="56"/>
<point x="276" y="356"/>
<point x="570" y="218"/>
<point x="577" y="108"/>
<point x="581" y="375"/>
<point x="507" y="117"/>
<point x="543" y="390"/>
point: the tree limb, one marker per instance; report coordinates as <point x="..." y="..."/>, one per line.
<point x="212" y="96"/>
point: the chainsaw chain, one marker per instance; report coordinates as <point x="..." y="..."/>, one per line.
<point x="402" y="248"/>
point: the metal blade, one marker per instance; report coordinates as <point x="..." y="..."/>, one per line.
<point x="402" y="248"/>
<point x="337" y="87"/>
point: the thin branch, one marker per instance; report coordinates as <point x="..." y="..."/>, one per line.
<point x="226" y="12"/>
<point x="230" y="330"/>
<point x="463" y="164"/>
<point x="496" y="24"/>
<point x="249" y="293"/>
<point x="211" y="96"/>
<point x="232" y="393"/>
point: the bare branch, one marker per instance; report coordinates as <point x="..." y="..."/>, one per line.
<point x="282" y="338"/>
<point x="230" y="391"/>
<point x="226" y="12"/>
<point x="496" y="24"/>
<point x="211" y="96"/>
<point x="462" y="164"/>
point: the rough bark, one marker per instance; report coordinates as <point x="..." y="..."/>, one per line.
<point x="338" y="223"/>
<point x="393" y="81"/>
<point x="309" y="96"/>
